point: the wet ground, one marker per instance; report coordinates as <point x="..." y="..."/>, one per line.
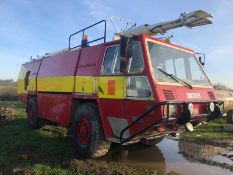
<point x="170" y="157"/>
<point x="177" y="157"/>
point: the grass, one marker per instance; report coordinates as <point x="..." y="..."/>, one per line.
<point x="211" y="133"/>
<point x="48" y="151"/>
<point x="17" y="139"/>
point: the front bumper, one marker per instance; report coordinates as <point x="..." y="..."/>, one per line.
<point x="148" y="132"/>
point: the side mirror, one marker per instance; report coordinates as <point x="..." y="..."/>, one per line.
<point x="202" y="62"/>
<point x="126" y="47"/>
<point x="201" y="58"/>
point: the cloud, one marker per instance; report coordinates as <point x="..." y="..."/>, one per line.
<point x="219" y="64"/>
<point x="98" y="9"/>
<point x="224" y="8"/>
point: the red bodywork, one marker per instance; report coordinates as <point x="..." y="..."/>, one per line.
<point x="59" y="107"/>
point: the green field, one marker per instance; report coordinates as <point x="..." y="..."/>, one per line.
<point x="212" y="133"/>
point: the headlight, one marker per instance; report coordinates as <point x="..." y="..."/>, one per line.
<point x="212" y="107"/>
<point x="171" y="111"/>
<point x="190" y="107"/>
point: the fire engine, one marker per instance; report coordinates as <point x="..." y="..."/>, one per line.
<point x="136" y="88"/>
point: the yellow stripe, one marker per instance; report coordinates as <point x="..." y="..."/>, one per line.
<point x="56" y="84"/>
<point x="89" y="85"/>
<point x="20" y="87"/>
<point x="85" y="84"/>
<point x="119" y="87"/>
<point x="32" y="84"/>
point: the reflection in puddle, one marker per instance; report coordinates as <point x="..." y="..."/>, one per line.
<point x="206" y="152"/>
<point x="174" y="157"/>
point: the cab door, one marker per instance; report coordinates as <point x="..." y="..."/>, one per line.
<point x="111" y="92"/>
<point x="139" y="96"/>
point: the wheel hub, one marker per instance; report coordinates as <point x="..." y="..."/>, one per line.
<point x="83" y="131"/>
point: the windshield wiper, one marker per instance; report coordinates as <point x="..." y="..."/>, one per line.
<point x="176" y="78"/>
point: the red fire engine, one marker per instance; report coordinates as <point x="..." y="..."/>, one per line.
<point x="135" y="88"/>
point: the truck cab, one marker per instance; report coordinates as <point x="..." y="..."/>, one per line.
<point x="165" y="88"/>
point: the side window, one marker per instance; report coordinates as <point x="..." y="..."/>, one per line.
<point x="137" y="62"/>
<point x="108" y="60"/>
<point x="111" y="64"/>
<point x="112" y="60"/>
<point x="138" y="87"/>
<point x="26" y="80"/>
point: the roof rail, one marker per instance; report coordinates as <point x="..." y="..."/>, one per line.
<point x="83" y="31"/>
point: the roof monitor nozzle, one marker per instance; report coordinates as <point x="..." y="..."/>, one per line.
<point x="190" y="20"/>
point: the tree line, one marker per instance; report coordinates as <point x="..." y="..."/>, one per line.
<point x="8" y="90"/>
<point x="220" y="86"/>
<point x="8" y="82"/>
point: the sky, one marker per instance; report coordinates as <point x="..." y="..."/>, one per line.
<point x="31" y="27"/>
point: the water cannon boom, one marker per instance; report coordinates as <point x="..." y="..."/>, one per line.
<point x="190" y="20"/>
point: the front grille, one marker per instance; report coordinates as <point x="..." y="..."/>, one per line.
<point x="211" y="95"/>
<point x="168" y="95"/>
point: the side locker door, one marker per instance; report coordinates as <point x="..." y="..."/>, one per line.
<point x="111" y="92"/>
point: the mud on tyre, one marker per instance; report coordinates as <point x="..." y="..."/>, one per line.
<point x="87" y="132"/>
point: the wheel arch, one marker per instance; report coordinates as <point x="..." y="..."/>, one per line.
<point x="76" y="102"/>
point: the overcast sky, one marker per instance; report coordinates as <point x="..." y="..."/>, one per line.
<point x="33" y="27"/>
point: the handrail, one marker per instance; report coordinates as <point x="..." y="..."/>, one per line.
<point x="83" y="30"/>
<point x="136" y="121"/>
<point x="156" y="106"/>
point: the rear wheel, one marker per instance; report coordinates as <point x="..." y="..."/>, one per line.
<point x="230" y="116"/>
<point x="33" y="119"/>
<point x="87" y="132"/>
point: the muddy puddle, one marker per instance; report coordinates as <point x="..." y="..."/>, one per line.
<point x="175" y="157"/>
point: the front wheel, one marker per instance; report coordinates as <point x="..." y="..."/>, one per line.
<point x="87" y="132"/>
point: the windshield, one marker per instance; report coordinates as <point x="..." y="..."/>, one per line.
<point x="179" y="63"/>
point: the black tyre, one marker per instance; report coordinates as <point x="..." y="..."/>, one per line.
<point x="33" y="119"/>
<point x="87" y="132"/>
<point x="151" y="142"/>
<point x="230" y="116"/>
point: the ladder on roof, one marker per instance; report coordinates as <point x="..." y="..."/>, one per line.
<point x="83" y="33"/>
